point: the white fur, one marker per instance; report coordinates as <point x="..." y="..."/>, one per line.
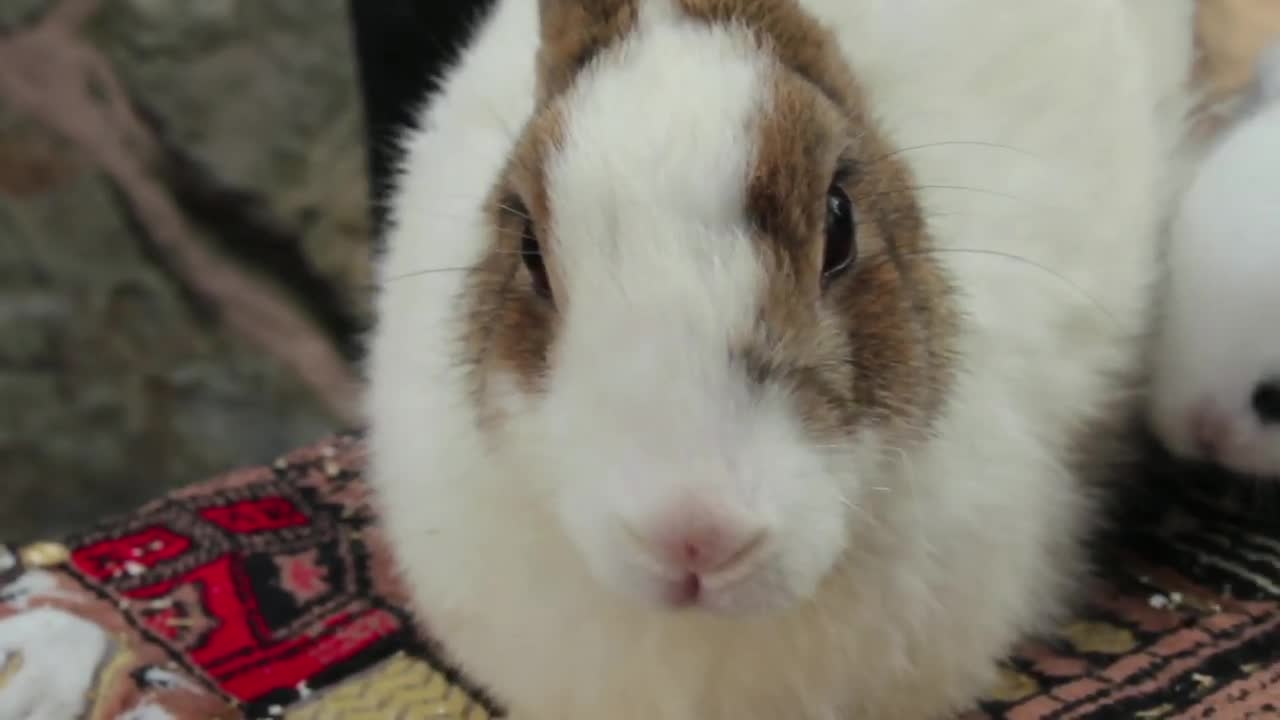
<point x="1220" y="332"/>
<point x="946" y="550"/>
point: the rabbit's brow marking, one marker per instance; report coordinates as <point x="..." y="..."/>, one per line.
<point x="573" y="34"/>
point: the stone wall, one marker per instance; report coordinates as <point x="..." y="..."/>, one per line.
<point x="121" y="373"/>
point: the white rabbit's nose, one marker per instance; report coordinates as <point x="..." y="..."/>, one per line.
<point x="701" y="541"/>
<point x="709" y="549"/>
<point x="1210" y="430"/>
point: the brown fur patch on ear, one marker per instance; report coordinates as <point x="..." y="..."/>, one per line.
<point x="799" y="41"/>
<point x="573" y="33"/>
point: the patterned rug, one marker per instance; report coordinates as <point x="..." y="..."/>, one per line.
<point x="268" y="594"/>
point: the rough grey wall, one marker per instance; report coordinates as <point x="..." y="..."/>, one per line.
<point x="115" y="381"/>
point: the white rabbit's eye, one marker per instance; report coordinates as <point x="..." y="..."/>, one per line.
<point x="841" y="244"/>
<point x="1266" y="402"/>
<point x="531" y="253"/>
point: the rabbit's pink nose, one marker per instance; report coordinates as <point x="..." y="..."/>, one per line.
<point x="708" y="547"/>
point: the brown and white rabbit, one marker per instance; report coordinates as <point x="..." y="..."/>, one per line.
<point x="735" y="356"/>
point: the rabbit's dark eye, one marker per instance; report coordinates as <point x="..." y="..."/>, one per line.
<point x="841" y="241"/>
<point x="531" y="253"/>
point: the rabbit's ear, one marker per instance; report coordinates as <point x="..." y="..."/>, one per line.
<point x="573" y="33"/>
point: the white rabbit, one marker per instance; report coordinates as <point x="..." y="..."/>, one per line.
<point x="1216" y="379"/>
<point x="736" y="358"/>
